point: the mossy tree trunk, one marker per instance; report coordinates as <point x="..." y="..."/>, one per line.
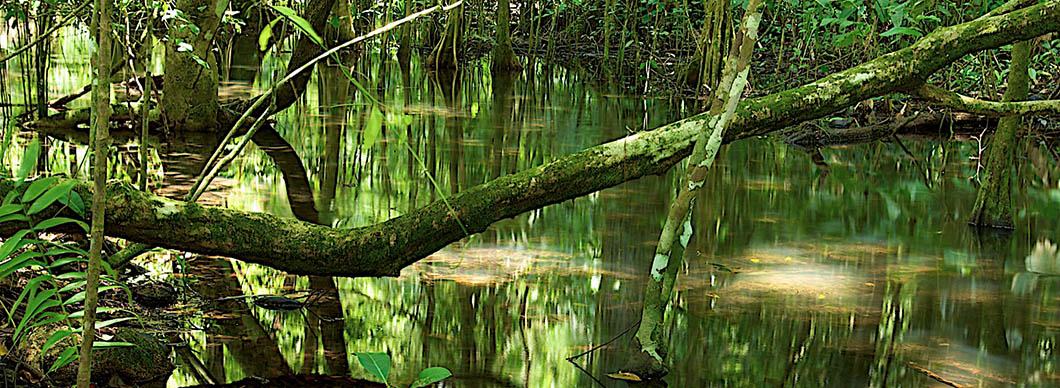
<point x="503" y="55"/>
<point x="384" y="248"/>
<point x="189" y="99"/>
<point x="705" y="67"/>
<point x="993" y="203"/>
<point x="447" y="53"/>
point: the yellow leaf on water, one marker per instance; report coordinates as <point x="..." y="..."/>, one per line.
<point x="755" y="260"/>
<point x="624" y="376"/>
<point x="870" y="284"/>
<point x="787" y="258"/>
<point x="820" y="296"/>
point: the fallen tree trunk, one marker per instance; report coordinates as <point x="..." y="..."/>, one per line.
<point x="385" y="248"/>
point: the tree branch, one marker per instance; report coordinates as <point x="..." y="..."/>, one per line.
<point x="385" y="248"/>
<point x="968" y="104"/>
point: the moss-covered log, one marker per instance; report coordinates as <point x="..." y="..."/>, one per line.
<point x="385" y="248"/>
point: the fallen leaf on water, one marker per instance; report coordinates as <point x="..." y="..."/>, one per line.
<point x="624" y="376"/>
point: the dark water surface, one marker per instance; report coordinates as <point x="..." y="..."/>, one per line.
<point x="864" y="274"/>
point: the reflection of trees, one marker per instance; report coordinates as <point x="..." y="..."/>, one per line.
<point x="233" y="325"/>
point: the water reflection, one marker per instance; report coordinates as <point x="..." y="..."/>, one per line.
<point x="842" y="268"/>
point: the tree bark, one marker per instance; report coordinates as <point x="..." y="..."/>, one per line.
<point x="668" y="256"/>
<point x="189" y="98"/>
<point x="384" y="248"/>
<point x="503" y="55"/>
<point x="709" y="58"/>
<point x="993" y="202"/>
<point x="446" y="54"/>
<point x="100" y="146"/>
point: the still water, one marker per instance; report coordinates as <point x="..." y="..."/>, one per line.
<point x="861" y="273"/>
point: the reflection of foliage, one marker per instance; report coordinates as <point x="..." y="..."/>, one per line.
<point x="1044" y="259"/>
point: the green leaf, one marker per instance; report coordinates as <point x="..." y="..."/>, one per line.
<point x="9" y="209"/>
<point x="14" y="217"/>
<point x="29" y="160"/>
<point x="12" y="243"/>
<point x="430" y="376"/>
<point x="57" y="336"/>
<point x="377" y="364"/>
<point x="102" y="324"/>
<point x="99" y="310"/>
<point x="902" y="31"/>
<point x="80" y="296"/>
<point x="21" y="261"/>
<point x="74" y="202"/>
<point x="266" y="34"/>
<point x="53" y="222"/>
<point x="38" y="187"/>
<point x="72" y="275"/>
<point x="65" y="250"/>
<point x="300" y="23"/>
<point x="10" y="197"/>
<point x="53" y="194"/>
<point x="69" y="355"/>
<point x="372" y="128"/>
<point x="110" y="345"/>
<point x="73" y="286"/>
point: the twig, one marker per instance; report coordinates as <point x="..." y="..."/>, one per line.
<point x="933" y="375"/>
<point x="608" y="342"/>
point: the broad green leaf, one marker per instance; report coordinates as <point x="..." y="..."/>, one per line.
<point x="49" y="197"/>
<point x="102" y="324"/>
<point x="220" y="8"/>
<point x="57" y="336"/>
<point x="377" y="364"/>
<point x="74" y="202"/>
<point x="110" y="345"/>
<point x="29" y="160"/>
<point x="36" y="303"/>
<point x="902" y="31"/>
<point x="9" y="209"/>
<point x="99" y="310"/>
<point x="266" y="34"/>
<point x="21" y="261"/>
<point x="38" y="187"/>
<point x="12" y="243"/>
<point x="430" y="376"/>
<point x="12" y="217"/>
<point x="71" y="275"/>
<point x="372" y="128"/>
<point x="68" y="355"/>
<point x="10" y="197"/>
<point x="80" y="296"/>
<point x="73" y="286"/>
<point x="53" y="222"/>
<point x="64" y="250"/>
<point x="300" y="23"/>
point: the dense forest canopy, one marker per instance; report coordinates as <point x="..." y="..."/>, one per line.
<point x="198" y="166"/>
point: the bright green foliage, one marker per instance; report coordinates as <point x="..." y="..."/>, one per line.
<point x="378" y="364"/>
<point x="44" y="300"/>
